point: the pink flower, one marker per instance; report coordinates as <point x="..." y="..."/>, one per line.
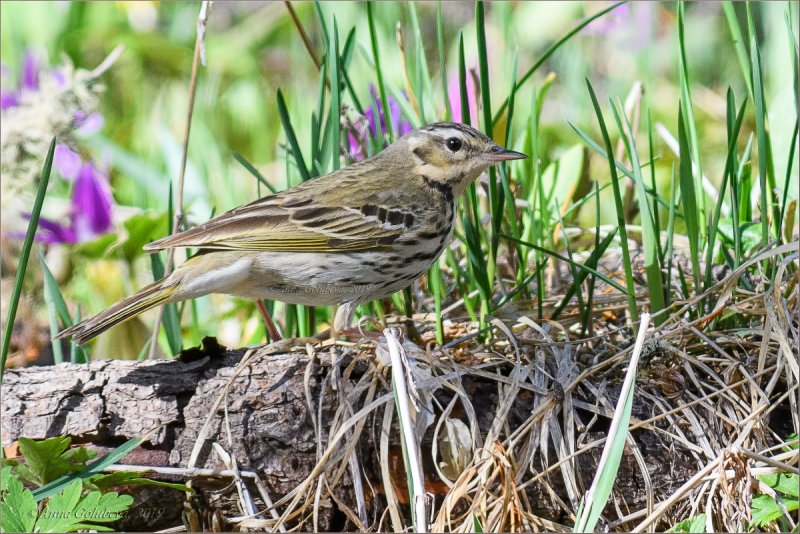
<point x="454" y="94"/>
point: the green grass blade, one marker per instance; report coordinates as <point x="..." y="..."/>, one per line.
<point x="620" y="210"/>
<point x="52" y="314"/>
<point x="763" y="142"/>
<point x="579" y="266"/>
<point x="673" y="208"/>
<point x="587" y="320"/>
<point x="252" y="170"/>
<point x="376" y="57"/>
<point x="344" y="63"/>
<point x="291" y="137"/>
<point x="733" y="136"/>
<point x="738" y="42"/>
<point x="581" y="274"/>
<point x="25" y="254"/>
<point x="77" y="353"/>
<point x="689" y="200"/>
<point x="423" y="90"/>
<point x="57" y="310"/>
<point x="688" y="111"/>
<point x="496" y="196"/>
<point x="171" y="322"/>
<point x="336" y="106"/>
<point x="654" y="205"/>
<point x="448" y="110"/>
<point x="650" y="238"/>
<point x="550" y="51"/>
<point x="607" y="469"/>
<point x="462" y="83"/>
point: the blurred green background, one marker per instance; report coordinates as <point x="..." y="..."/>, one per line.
<point x="253" y="49"/>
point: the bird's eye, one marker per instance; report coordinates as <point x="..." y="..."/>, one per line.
<point x="454" y="144"/>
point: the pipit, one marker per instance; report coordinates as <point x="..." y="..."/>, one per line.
<point x="351" y="236"/>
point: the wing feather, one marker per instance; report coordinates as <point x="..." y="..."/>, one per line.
<point x="284" y="223"/>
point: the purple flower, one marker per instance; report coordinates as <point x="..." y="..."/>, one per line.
<point x="91" y="211"/>
<point x="67" y="162"/>
<point x="51" y="232"/>
<point x="8" y="100"/>
<point x="30" y="72"/>
<point x="91" y="204"/>
<point x="400" y="127"/>
<point x="88" y="124"/>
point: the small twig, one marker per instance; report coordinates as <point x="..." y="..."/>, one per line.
<point x="303" y="34"/>
<point x="245" y="499"/>
<point x="199" y="56"/>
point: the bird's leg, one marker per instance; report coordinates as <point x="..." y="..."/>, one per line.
<point x="274" y="335"/>
<point x="343" y="318"/>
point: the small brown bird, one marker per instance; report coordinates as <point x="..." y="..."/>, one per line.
<point x="351" y="236"/>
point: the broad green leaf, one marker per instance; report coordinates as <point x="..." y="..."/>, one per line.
<point x="67" y="512"/>
<point x="18" y="507"/>
<point x="141" y="229"/>
<point x="785" y="483"/>
<point x="96" y="248"/>
<point x="766" y="509"/>
<point x="696" y="524"/>
<point x="91" y="469"/>
<point x="49" y="459"/>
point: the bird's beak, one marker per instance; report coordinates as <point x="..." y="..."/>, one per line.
<point x="498" y="153"/>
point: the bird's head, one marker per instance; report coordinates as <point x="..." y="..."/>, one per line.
<point x="453" y="153"/>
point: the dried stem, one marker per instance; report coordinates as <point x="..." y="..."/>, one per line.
<point x="199" y="56"/>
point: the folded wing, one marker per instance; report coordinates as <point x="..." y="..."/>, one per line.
<point x="288" y="224"/>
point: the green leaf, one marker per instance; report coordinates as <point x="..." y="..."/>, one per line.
<point x="291" y="137"/>
<point x="48" y="459"/>
<point x="786" y="483"/>
<point x="18" y="507"/>
<point x="141" y="229"/>
<point x="67" y="512"/>
<point x="95" y="467"/>
<point x="766" y="509"/>
<point x="96" y="248"/>
<point x="691" y="524"/>
<point x="5" y="476"/>
<point x="105" y="481"/>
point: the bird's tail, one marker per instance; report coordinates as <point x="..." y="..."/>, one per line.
<point x="150" y="296"/>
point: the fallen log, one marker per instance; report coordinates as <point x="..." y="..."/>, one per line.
<point x="275" y="412"/>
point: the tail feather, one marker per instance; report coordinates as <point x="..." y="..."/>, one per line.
<point x="149" y="297"/>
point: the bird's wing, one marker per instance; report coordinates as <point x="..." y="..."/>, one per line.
<point x="293" y="221"/>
